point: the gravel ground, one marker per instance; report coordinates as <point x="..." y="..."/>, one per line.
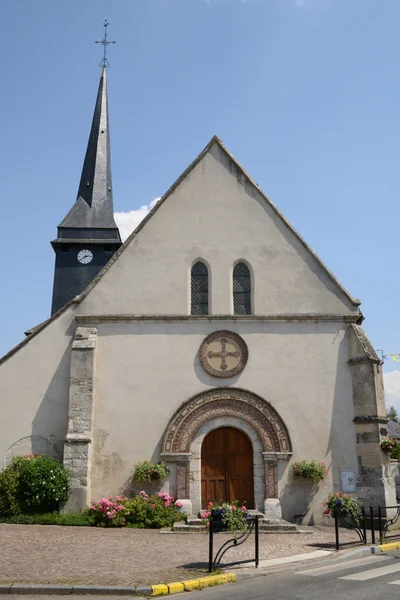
<point x="85" y="555"/>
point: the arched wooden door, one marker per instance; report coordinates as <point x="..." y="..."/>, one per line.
<point x="227" y="467"/>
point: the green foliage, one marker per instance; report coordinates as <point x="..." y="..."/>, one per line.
<point x="343" y="504"/>
<point x="392" y="415"/>
<point x="310" y="470"/>
<point x="9" y="489"/>
<point x="148" y="471"/>
<point x="233" y="516"/>
<point x="142" y="511"/>
<point x="54" y="518"/>
<point x="392" y="446"/>
<point x="33" y="484"/>
<point x="152" y="512"/>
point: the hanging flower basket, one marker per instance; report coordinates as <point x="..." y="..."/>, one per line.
<point x="148" y="471"/>
<point x="389" y="445"/>
<point x="311" y="470"/>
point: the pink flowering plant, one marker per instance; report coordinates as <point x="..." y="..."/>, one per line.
<point x="150" y="511"/>
<point x="110" y="512"/>
<point x="392" y="446"/>
<point x="147" y="471"/>
<point x="310" y="470"/>
<point x="343" y="505"/>
<point x="233" y="515"/>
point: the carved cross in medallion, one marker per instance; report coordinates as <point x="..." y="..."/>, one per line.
<point x="223" y="354"/>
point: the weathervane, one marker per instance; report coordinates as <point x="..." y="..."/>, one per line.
<point x="104" y="63"/>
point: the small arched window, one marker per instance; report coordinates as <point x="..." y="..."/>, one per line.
<point x="199" y="287"/>
<point x="241" y="290"/>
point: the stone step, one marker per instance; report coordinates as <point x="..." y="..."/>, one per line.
<point x="183" y="528"/>
<point x="194" y="525"/>
<point x="194" y="521"/>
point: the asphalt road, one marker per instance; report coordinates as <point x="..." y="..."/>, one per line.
<point x="367" y="578"/>
<point x="364" y="578"/>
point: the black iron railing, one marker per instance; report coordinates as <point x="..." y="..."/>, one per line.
<point x="216" y="526"/>
<point x="375" y="519"/>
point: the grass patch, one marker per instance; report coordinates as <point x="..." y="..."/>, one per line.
<point x="54" y="518"/>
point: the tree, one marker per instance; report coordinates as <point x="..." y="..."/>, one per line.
<point x="392" y="415"/>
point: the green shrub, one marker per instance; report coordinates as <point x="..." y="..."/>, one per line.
<point x="54" y="518"/>
<point x="10" y="503"/>
<point x="33" y="484"/>
<point x="152" y="512"/>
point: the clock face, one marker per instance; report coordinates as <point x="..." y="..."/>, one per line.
<point x="85" y="256"/>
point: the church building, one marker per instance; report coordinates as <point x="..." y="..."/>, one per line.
<point x="214" y="339"/>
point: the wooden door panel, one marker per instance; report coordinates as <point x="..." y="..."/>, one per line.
<point x="227" y="467"/>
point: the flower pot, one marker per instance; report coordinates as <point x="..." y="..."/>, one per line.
<point x="217" y="524"/>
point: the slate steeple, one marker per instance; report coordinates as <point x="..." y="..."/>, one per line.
<point x="88" y="235"/>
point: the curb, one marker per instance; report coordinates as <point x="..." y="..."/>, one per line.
<point x="139" y="590"/>
<point x="389" y="546"/>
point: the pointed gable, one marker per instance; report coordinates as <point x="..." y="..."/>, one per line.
<point x="216" y="212"/>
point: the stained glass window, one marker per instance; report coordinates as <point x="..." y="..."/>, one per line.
<point x="241" y="290"/>
<point x="199" y="286"/>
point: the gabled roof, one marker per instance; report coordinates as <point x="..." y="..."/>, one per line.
<point x="143" y="223"/>
<point x="215" y="140"/>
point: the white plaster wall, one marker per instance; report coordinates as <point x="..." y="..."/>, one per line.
<point x="146" y="370"/>
<point x="215" y="215"/>
<point x="34" y="385"/>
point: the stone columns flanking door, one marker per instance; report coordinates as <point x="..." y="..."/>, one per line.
<point x="79" y="438"/>
<point x="181" y="462"/>
<point x="272" y="505"/>
<point x="225" y="407"/>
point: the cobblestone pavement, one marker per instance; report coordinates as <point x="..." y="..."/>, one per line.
<point x="51" y="554"/>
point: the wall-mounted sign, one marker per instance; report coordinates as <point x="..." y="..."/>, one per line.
<point x="347" y="480"/>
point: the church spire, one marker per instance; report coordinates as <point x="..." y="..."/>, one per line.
<point x="88" y="236"/>
<point x="94" y="204"/>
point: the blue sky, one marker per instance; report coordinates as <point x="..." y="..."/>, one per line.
<point x="305" y="93"/>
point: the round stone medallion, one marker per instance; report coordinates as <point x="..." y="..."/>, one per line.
<point x="223" y="354"/>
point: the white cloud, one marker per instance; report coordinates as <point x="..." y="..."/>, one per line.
<point x="128" y="221"/>
<point x="392" y="389"/>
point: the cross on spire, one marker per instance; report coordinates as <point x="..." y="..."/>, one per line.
<point x="104" y="62"/>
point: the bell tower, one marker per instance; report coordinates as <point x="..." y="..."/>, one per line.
<point x="88" y="235"/>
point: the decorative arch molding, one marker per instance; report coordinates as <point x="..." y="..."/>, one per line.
<point x="226" y="402"/>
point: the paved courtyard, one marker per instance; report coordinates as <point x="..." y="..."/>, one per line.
<point x="85" y="555"/>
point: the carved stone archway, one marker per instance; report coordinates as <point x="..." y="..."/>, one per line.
<point x="225" y="403"/>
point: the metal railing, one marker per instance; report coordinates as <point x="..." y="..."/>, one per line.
<point x="365" y="522"/>
<point x="216" y="526"/>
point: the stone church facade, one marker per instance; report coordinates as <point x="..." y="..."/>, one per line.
<point x="213" y="339"/>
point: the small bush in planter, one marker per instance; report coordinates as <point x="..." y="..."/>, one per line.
<point x="343" y="505"/>
<point x="233" y="516"/>
<point x="147" y="471"/>
<point x="310" y="470"/>
<point x="33" y="484"/>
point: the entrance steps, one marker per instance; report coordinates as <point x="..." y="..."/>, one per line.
<point x="194" y="525"/>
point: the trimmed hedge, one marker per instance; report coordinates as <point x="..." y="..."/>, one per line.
<point x="54" y="518"/>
